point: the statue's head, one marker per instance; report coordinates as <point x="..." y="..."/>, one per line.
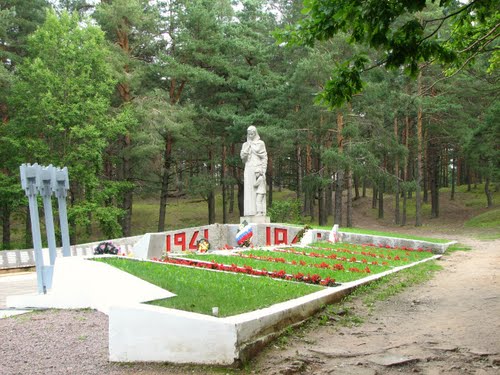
<point x="252" y="134"/>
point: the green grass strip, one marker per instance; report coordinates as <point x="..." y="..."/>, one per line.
<point x="291" y="269"/>
<point x="386" y="234"/>
<point x="386" y="255"/>
<point x="199" y="290"/>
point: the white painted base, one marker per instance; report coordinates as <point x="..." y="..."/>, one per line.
<point x="81" y="283"/>
<point x="256" y="219"/>
<point x="156" y="334"/>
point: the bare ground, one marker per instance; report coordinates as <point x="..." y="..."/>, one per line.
<point x="448" y="325"/>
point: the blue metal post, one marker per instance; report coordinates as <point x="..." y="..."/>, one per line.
<point x="44" y="184"/>
<point x="60" y="185"/>
<point x="28" y="183"/>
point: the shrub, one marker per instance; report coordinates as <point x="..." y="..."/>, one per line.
<point x="286" y="211"/>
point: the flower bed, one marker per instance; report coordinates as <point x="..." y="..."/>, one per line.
<point x="324" y="264"/>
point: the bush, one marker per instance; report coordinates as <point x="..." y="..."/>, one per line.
<point x="286" y="211"/>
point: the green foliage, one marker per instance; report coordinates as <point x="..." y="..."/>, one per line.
<point x="482" y="149"/>
<point x="285" y="211"/>
<point x="407" y="33"/>
<point x="202" y="185"/>
<point x="61" y="101"/>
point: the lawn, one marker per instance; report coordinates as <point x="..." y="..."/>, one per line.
<point x="254" y="278"/>
<point x="324" y="261"/>
<point x="199" y="290"/>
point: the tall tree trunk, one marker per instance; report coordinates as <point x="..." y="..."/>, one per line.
<point x="418" y="197"/>
<point x="298" y="154"/>
<point x="406" y="143"/>
<point x="433" y="164"/>
<point x="396" y="173"/>
<point x="72" y="222"/>
<point x="356" y="187"/>
<point x="5" y="214"/>
<point x="340" y="173"/>
<point x="241" y="197"/>
<point x="363" y="194"/>
<point x="452" y="196"/>
<point x="374" y="196"/>
<point x="349" y="198"/>
<point x="487" y="191"/>
<point x="458" y="177"/>
<point x="223" y="182"/>
<point x="308" y="197"/>
<point x="381" y="200"/>
<point x="403" y="216"/>
<point x="425" y="168"/>
<point x="211" y="194"/>
<point x="329" y="198"/>
<point x="469" y="178"/>
<point x="234" y="177"/>
<point x="126" y="222"/>
<point x="167" y="163"/>
<point x="339" y="187"/>
<point x="211" y="207"/>
<point x="322" y="211"/>
<point x="28" y="236"/>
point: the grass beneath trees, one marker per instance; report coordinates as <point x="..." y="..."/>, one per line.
<point x="489" y="219"/>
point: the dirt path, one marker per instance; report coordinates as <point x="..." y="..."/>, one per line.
<point x="449" y="325"/>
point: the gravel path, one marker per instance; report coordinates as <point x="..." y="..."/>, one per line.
<point x="66" y="342"/>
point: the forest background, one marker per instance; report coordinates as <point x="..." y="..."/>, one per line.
<point x="150" y="100"/>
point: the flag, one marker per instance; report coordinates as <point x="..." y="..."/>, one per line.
<point x="244" y="234"/>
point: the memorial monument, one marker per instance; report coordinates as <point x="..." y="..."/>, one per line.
<point x="254" y="155"/>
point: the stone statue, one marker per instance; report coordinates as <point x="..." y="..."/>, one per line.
<point x="254" y="155"/>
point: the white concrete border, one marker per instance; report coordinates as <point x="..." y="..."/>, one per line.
<point x="139" y="332"/>
<point x="151" y="333"/>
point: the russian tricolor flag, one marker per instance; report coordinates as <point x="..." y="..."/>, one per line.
<point x="244" y="234"/>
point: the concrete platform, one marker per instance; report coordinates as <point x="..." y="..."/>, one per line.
<point x="15" y="283"/>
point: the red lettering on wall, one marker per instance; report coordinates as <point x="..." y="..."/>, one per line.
<point x="296" y="238"/>
<point x="180" y="240"/>
<point x="192" y="244"/>
<point x="280" y="236"/>
<point x="205" y="234"/>
<point x="167" y="241"/>
<point x="268" y="236"/>
<point x="318" y="236"/>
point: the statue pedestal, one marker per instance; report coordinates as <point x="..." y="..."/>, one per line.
<point x="255" y="219"/>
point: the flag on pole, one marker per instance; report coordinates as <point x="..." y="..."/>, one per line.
<point x="244" y="234"/>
